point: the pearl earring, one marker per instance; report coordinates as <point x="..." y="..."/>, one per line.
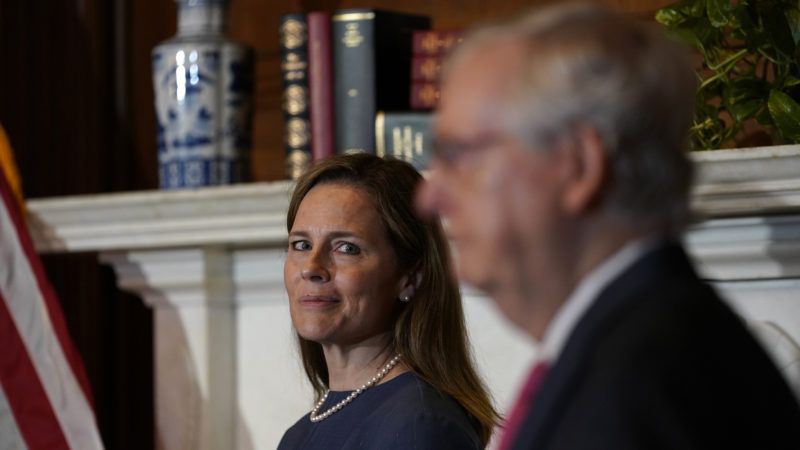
<point x="405" y="298"/>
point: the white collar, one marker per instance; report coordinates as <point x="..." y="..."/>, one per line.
<point x="585" y="294"/>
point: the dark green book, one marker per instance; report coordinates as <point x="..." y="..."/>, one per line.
<point x="371" y="71"/>
<point x="405" y="135"/>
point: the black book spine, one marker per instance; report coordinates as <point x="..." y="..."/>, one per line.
<point x="371" y="71"/>
<point x="294" y="71"/>
<point x="405" y="135"/>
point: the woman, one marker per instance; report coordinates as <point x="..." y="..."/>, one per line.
<point x="378" y="316"/>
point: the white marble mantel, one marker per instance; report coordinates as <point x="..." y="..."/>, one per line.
<point x="210" y="262"/>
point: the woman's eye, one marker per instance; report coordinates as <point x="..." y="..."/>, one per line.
<point x="300" y="245"/>
<point x="348" y="248"/>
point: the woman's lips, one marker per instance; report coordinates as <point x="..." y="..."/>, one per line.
<point x="318" y="300"/>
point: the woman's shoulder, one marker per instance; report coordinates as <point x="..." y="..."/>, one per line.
<point x="295" y="436"/>
<point x="415" y="394"/>
<point x="416" y="415"/>
<point x="403" y="413"/>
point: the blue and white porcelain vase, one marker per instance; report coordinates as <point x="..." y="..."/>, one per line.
<point x="203" y="98"/>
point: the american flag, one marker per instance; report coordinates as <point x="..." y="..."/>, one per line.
<point x="44" y="393"/>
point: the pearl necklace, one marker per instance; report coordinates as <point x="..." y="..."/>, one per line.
<point x="378" y="377"/>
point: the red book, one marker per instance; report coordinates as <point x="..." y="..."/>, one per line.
<point x="429" y="42"/>
<point x="320" y="84"/>
<point x="424" y="95"/>
<point x="426" y="68"/>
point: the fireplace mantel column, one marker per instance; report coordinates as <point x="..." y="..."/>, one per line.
<point x="208" y="262"/>
<point x="192" y="296"/>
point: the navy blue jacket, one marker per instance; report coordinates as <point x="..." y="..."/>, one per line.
<point x="660" y="362"/>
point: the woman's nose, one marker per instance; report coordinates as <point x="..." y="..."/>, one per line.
<point x="315" y="268"/>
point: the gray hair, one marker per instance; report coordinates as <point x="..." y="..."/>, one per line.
<point x="586" y="65"/>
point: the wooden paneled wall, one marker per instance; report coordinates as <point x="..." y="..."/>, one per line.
<point x="255" y="23"/>
<point x="77" y="91"/>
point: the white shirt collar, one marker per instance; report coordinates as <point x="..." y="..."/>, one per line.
<point x="584" y="295"/>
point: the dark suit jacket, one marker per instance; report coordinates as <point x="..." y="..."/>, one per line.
<point x="659" y="362"/>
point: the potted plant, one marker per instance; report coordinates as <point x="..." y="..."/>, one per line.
<point x="750" y="74"/>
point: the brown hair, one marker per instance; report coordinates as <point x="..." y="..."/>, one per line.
<point x="429" y="331"/>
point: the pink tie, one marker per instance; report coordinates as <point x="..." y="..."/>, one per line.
<point x="522" y="405"/>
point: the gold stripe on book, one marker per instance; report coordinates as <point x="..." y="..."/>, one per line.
<point x="354" y="16"/>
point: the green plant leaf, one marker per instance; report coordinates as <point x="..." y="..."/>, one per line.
<point x="793" y="18"/>
<point x="709" y="131"/>
<point x="670" y="17"/>
<point x="719" y="12"/>
<point x="702" y="38"/>
<point x="751" y="67"/>
<point x="744" y="97"/>
<point x="746" y="109"/>
<point x="778" y="32"/>
<point x="677" y="13"/>
<point x="764" y="118"/>
<point x="785" y="112"/>
<point x="686" y="35"/>
<point x="791" y="81"/>
<point x="694" y="8"/>
<point x="747" y="29"/>
<point x="709" y="39"/>
<point x="688" y="20"/>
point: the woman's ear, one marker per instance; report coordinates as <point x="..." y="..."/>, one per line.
<point x="409" y="285"/>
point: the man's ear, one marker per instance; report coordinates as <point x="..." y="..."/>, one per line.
<point x="590" y="170"/>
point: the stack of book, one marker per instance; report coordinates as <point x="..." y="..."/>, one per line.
<point x="429" y="49"/>
<point x="408" y="135"/>
<point x="356" y="64"/>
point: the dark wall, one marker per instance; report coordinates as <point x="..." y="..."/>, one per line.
<point x="64" y="102"/>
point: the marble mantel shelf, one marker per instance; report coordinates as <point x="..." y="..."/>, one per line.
<point x="209" y="262"/>
<point x="747" y="182"/>
<point x="231" y="215"/>
<point x="730" y="183"/>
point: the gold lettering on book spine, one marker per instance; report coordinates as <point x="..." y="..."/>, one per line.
<point x="430" y="43"/>
<point x="293" y="34"/>
<point x="293" y="62"/>
<point x="430" y="68"/>
<point x="380" y="148"/>
<point x="408" y="144"/>
<point x="429" y="95"/>
<point x="297" y="132"/>
<point x="352" y="36"/>
<point x="435" y="43"/>
<point x="295" y="99"/>
<point x="397" y="142"/>
<point x="297" y="162"/>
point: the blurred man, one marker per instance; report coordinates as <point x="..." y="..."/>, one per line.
<point x="561" y="171"/>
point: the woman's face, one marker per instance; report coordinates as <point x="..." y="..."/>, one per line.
<point x="341" y="272"/>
